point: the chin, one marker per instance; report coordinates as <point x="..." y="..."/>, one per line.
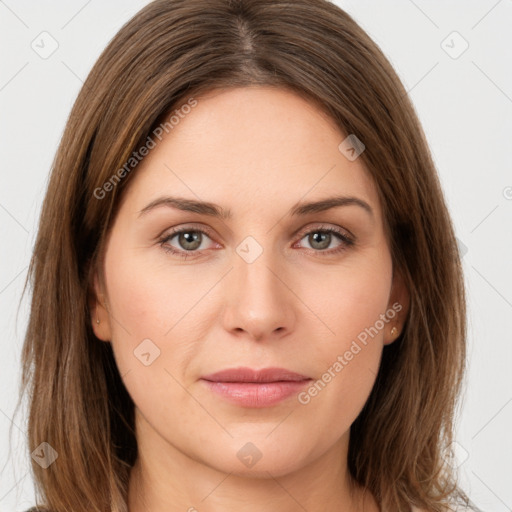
<point x="257" y="458"/>
<point x="272" y="467"/>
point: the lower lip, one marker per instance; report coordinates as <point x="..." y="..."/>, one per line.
<point x="252" y="394"/>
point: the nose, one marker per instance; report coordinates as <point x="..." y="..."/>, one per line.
<point x="259" y="303"/>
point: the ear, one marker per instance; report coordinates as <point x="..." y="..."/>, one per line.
<point x="100" y="317"/>
<point x="399" y="302"/>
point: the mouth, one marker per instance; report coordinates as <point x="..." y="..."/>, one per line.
<point x="247" y="387"/>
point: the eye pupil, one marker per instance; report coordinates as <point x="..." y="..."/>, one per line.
<point x="319" y="240"/>
<point x="190" y="240"/>
<point x="325" y="239"/>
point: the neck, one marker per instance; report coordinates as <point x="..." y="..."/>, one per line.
<point x="166" y="479"/>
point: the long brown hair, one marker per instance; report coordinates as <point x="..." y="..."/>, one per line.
<point x="168" y="52"/>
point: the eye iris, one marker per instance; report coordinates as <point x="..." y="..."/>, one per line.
<point x="325" y="239"/>
<point x="189" y="240"/>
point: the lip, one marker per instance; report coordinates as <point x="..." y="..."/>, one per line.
<point x="244" y="374"/>
<point x="255" y="388"/>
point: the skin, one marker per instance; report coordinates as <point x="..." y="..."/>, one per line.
<point x="256" y="151"/>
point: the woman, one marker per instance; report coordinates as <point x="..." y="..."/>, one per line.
<point x="247" y="290"/>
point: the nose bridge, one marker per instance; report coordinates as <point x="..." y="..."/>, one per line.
<point x="256" y="267"/>
<point x="257" y="299"/>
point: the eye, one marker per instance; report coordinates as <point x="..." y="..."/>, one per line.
<point x="188" y="239"/>
<point x="321" y="238"/>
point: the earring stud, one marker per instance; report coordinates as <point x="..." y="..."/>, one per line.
<point x="394" y="331"/>
<point x="97" y="321"/>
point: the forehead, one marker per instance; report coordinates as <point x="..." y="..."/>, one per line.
<point x="257" y="147"/>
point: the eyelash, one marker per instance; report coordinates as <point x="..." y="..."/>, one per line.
<point x="347" y="241"/>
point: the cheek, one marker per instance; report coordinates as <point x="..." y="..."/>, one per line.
<point x="137" y="311"/>
<point x="144" y="306"/>
<point x="349" y="301"/>
<point x="145" y="301"/>
<point x="351" y="297"/>
<point x="156" y="315"/>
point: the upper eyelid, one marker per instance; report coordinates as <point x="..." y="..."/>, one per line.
<point x="323" y="226"/>
<point x="302" y="231"/>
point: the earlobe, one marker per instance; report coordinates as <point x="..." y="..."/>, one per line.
<point x="392" y="332"/>
<point x="100" y="318"/>
<point x="399" y="303"/>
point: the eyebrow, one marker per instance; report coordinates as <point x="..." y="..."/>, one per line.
<point x="300" y="209"/>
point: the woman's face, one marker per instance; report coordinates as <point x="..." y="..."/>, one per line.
<point x="265" y="286"/>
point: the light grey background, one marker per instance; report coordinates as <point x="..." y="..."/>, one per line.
<point x="464" y="104"/>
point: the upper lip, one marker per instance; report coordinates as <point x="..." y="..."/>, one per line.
<point x="243" y="374"/>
